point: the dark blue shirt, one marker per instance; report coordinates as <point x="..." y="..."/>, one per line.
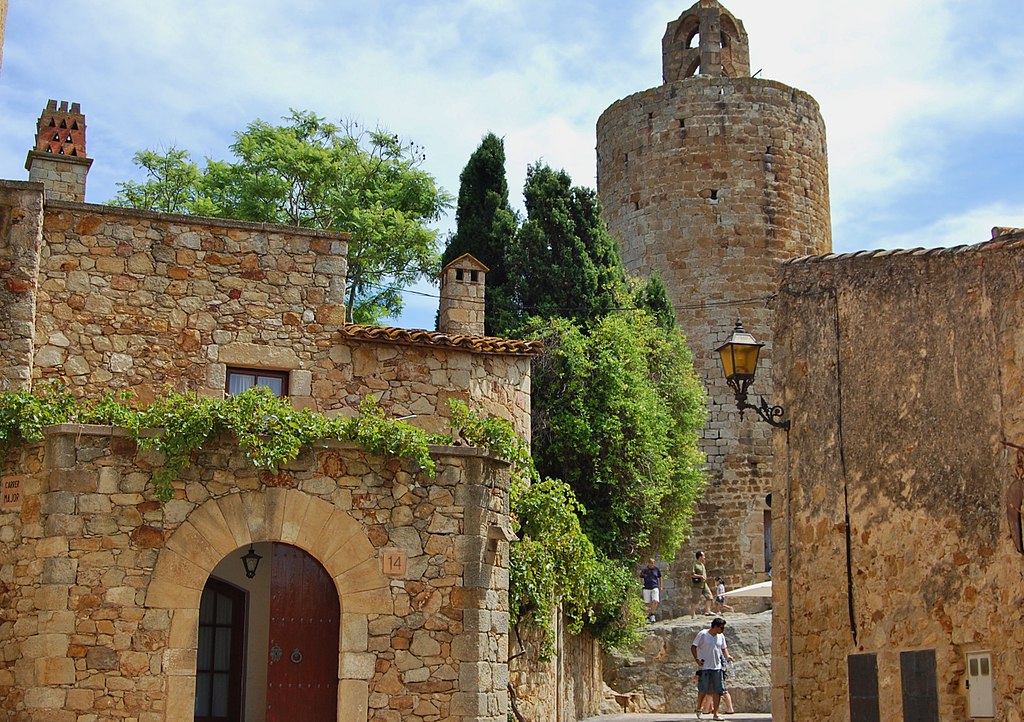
<point x="651" y="575"/>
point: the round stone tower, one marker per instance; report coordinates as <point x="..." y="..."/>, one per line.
<point x="711" y="180"/>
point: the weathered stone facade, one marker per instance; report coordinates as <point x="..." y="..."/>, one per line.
<point x="903" y="373"/>
<point x="101" y="585"/>
<point x="567" y="686"/>
<point x="712" y="181"/>
<point x="127" y="299"/>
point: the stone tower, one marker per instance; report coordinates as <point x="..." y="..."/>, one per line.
<point x="712" y="180"/>
<point x="58" y="160"/>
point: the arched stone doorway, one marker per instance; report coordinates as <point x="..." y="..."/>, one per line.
<point x="268" y="644"/>
<point x="219" y="531"/>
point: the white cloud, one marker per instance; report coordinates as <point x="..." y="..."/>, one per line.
<point x="910" y="90"/>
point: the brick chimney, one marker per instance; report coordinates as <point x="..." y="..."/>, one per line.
<point x="58" y="160"/>
<point x="462" y="297"/>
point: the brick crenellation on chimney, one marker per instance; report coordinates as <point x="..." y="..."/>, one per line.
<point x="58" y="159"/>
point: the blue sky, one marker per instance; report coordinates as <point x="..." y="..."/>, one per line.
<point x="923" y="99"/>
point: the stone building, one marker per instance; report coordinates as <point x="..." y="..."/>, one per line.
<point x="903" y="374"/>
<point x="115" y="607"/>
<point x="712" y="179"/>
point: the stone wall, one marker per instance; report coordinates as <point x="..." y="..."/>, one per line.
<point x="144" y="301"/>
<point x="128" y="299"/>
<point x="711" y="183"/>
<point x="100" y="585"/>
<point x="566" y="687"/>
<point x="21" y="232"/>
<point x="903" y="373"/>
<point x="658" y="676"/>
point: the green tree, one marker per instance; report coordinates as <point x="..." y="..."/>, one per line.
<point x="172" y="183"/>
<point x="566" y="263"/>
<point x="312" y="173"/>
<point x="617" y="411"/>
<point x="652" y="296"/>
<point x="486" y="227"/>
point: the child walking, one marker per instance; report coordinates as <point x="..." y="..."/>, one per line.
<point x="720" y="605"/>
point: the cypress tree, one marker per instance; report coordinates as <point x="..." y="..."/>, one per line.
<point x="567" y="263"/>
<point x="486" y="227"/>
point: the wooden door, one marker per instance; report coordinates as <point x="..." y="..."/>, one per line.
<point x="302" y="670"/>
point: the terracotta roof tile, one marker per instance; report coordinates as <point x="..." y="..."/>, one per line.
<point x="1012" y="240"/>
<point x="415" y="337"/>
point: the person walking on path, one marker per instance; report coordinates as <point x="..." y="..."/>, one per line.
<point x="708" y="652"/>
<point x="720" y="606"/>
<point x="652" y="588"/>
<point x="699" y="587"/>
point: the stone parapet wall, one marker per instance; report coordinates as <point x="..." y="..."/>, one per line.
<point x="21" y="235"/>
<point x="101" y="585"/>
<point x="904" y="374"/>
<point x="712" y="183"/>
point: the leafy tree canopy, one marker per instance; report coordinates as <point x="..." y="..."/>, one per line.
<point x="617" y="409"/>
<point x="566" y="262"/>
<point x="312" y="173"/>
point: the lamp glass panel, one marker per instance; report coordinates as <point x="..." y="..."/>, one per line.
<point x="746" y="359"/>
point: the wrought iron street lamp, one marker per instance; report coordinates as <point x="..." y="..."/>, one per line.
<point x="251" y="560"/>
<point x="739" y="362"/>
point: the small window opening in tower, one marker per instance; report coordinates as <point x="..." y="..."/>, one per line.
<point x="682" y="128"/>
<point x="61" y="152"/>
<point x="49" y="149"/>
<point x="74" y="152"/>
<point x="63" y="124"/>
<point x="458" y="274"/>
<point x="53" y="123"/>
<point x="68" y="139"/>
<point x="694" y="40"/>
<point x="56" y="137"/>
<point x="74" y="125"/>
<point x="473" y="276"/>
<point x="714" y="194"/>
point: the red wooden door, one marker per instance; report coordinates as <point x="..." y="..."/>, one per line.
<point x="302" y="673"/>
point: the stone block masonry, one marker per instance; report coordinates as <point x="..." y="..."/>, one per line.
<point x="101" y="586"/>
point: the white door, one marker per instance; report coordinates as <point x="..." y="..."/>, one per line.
<point x="980" y="701"/>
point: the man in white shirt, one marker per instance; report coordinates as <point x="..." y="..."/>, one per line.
<point x="708" y="650"/>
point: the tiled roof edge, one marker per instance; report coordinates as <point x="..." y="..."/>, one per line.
<point x="1011" y="241"/>
<point x="416" y="337"/>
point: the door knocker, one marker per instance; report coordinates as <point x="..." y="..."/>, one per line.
<point x="296" y="656"/>
<point x="275" y="653"/>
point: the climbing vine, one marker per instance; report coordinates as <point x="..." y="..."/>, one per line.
<point x="268" y="430"/>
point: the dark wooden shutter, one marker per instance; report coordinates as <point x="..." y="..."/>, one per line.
<point x="863" y="674"/>
<point x="920" y="691"/>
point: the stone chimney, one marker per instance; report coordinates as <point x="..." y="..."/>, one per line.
<point x="706" y="40"/>
<point x="462" y="297"/>
<point x="58" y="160"/>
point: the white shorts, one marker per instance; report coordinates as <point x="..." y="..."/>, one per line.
<point x="652" y="595"/>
